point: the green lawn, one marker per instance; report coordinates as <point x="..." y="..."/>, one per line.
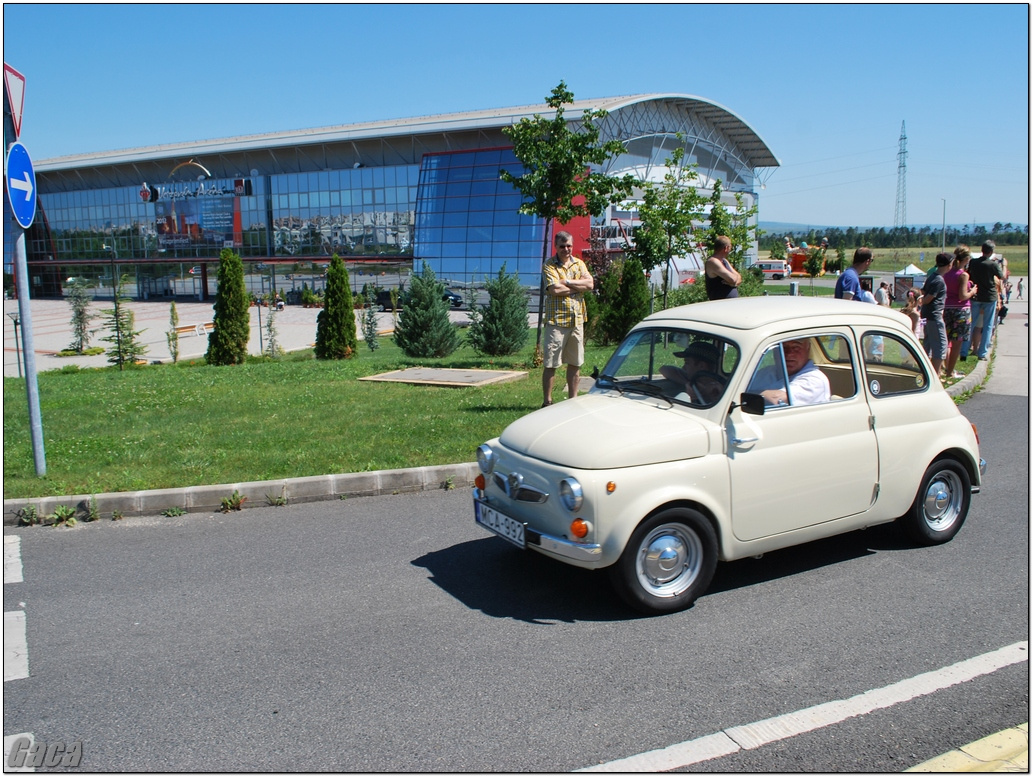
<point x="168" y="426"/>
<point x="165" y="426"/>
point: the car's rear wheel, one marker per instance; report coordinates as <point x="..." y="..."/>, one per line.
<point x="941" y="505"/>
<point x="668" y="562"/>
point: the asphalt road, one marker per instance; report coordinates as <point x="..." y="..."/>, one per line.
<point x="392" y="634"/>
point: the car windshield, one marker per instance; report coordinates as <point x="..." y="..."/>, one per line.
<point x="680" y="365"/>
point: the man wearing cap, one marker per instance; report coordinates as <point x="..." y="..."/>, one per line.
<point x="807" y="384"/>
<point x="934" y="296"/>
<point x="698" y="357"/>
<point x="985" y="273"/>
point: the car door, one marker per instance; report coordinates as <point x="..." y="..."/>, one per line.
<point x="803" y="464"/>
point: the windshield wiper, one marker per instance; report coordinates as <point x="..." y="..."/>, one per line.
<point x="646" y="387"/>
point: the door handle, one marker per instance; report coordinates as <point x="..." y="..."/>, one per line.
<point x="743" y="440"/>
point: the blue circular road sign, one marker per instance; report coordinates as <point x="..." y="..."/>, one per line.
<point x="21" y="185"/>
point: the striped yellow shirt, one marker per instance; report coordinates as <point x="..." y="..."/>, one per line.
<point x="567" y="310"/>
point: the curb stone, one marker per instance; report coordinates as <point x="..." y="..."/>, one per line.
<point x="199" y="499"/>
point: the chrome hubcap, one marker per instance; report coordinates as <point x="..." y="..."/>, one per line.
<point x="669" y="560"/>
<point x="943" y="498"/>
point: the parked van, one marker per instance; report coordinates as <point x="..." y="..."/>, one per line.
<point x="774" y="270"/>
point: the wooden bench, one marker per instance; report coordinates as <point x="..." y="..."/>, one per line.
<point x="198" y="329"/>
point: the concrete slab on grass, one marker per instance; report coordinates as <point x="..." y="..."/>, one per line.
<point x="434" y="376"/>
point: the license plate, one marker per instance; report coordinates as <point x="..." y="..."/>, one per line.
<point x="502" y="525"/>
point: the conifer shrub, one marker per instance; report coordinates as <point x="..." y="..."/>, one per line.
<point x="624" y="301"/>
<point x="227" y="344"/>
<point x="126" y="347"/>
<point x="500" y="327"/>
<point x="80" y="300"/>
<point x="424" y="329"/>
<point x="335" y="325"/>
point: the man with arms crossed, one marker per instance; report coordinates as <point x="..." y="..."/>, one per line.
<point x="722" y="279"/>
<point x="566" y="280"/>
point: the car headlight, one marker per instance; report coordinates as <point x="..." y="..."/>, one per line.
<point x="571" y="494"/>
<point x="485" y="459"/>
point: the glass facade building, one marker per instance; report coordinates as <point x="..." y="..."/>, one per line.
<point x="414" y="193"/>
<point x="467" y="222"/>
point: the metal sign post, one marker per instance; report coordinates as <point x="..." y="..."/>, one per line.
<point x="21" y="192"/>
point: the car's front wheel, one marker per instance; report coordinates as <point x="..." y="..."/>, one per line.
<point x="669" y="561"/>
<point x="941" y="505"/>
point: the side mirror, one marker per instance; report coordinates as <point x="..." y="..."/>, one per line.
<point x="752" y="404"/>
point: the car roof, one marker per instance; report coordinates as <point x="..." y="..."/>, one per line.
<point x="749" y="313"/>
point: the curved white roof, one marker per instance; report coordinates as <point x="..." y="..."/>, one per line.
<point x="722" y="119"/>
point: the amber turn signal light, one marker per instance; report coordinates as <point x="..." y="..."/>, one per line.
<point x="579" y="528"/>
<point x="479" y="482"/>
<point x="976" y="433"/>
<point x="611" y="487"/>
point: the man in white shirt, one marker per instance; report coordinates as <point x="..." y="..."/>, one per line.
<point x="807" y="384"/>
<point x="882" y="295"/>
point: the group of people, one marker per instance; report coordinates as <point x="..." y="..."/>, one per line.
<point x="960" y="302"/>
<point x="963" y="300"/>
<point x="566" y="278"/>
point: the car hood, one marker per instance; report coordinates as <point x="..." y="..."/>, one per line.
<point x="605" y="431"/>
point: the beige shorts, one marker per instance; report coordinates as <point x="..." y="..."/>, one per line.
<point x="564" y="345"/>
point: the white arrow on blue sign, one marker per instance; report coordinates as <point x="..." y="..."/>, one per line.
<point x="21" y="185"/>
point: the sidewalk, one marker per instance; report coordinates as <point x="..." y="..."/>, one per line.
<point x="295" y="330"/>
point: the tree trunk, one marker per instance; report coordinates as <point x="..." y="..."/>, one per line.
<point x="541" y="287"/>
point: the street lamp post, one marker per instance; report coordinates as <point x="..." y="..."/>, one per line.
<point x="16" y="318"/>
<point x="943" y="229"/>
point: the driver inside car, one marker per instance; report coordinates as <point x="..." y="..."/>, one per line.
<point x="807" y="384"/>
<point x="697" y="376"/>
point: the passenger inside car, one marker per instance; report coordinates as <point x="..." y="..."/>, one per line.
<point x="807" y="384"/>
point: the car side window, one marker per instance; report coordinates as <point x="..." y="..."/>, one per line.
<point x="787" y="375"/>
<point x="891" y="365"/>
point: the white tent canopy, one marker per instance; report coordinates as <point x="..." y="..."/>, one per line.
<point x="909" y="270"/>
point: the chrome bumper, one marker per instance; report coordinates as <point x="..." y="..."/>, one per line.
<point x="546" y="543"/>
<point x="982" y="471"/>
<point x="559" y="546"/>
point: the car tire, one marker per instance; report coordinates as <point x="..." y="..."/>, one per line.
<point x="941" y="504"/>
<point x="668" y="562"/>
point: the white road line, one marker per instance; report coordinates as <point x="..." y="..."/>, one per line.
<point x="8" y="744"/>
<point x="764" y="732"/>
<point x="12" y="559"/>
<point x="16" y="649"/>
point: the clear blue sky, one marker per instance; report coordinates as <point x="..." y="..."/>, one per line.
<point x="826" y="86"/>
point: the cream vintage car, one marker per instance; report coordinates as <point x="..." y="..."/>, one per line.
<point x="691" y="448"/>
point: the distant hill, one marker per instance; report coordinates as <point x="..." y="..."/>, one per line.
<point x="773" y="227"/>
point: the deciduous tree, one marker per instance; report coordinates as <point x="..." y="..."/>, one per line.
<point x="558" y="169"/>
<point x="668" y="214"/>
